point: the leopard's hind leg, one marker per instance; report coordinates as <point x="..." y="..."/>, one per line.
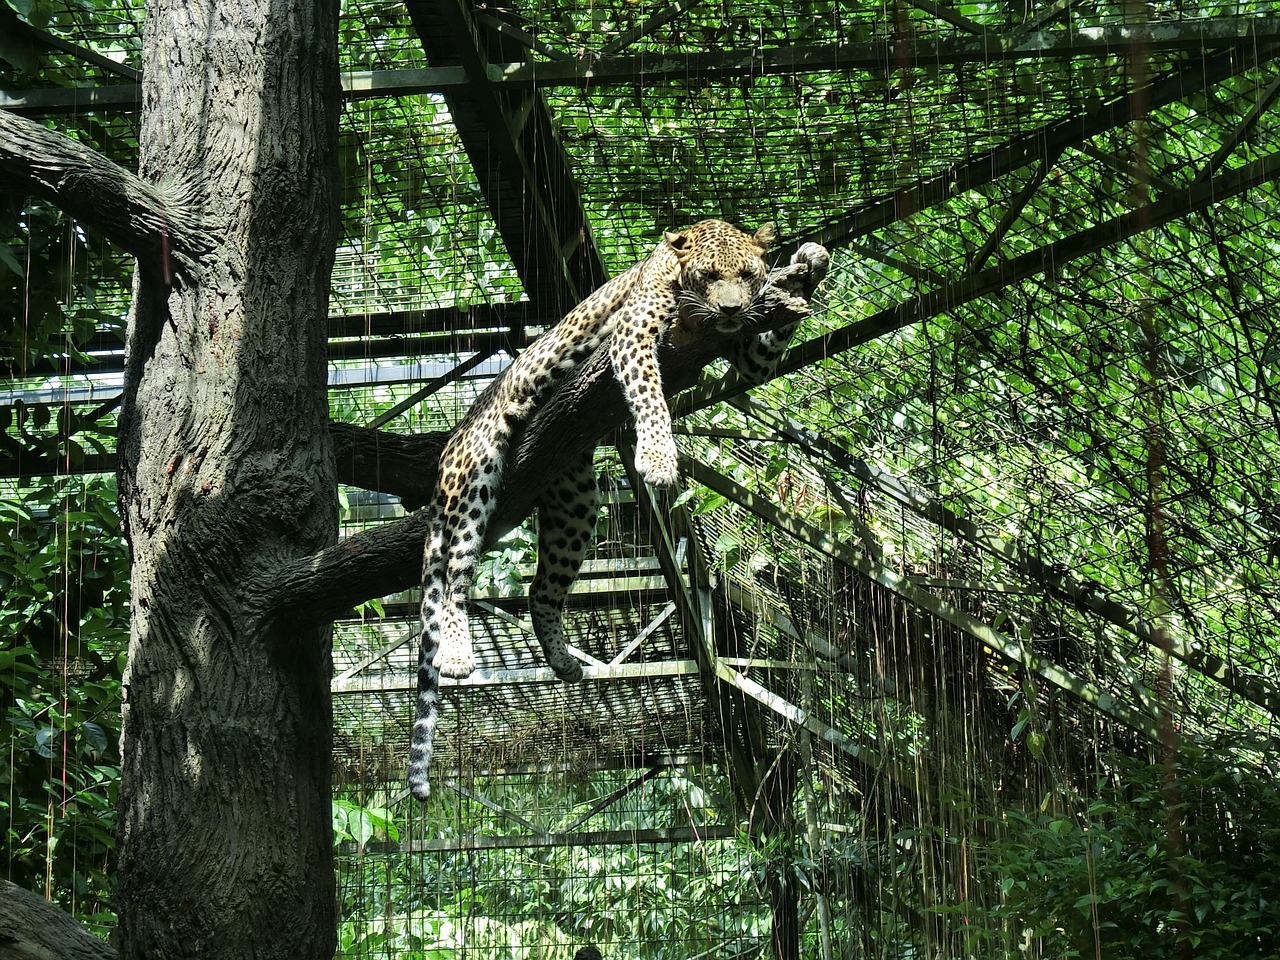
<point x="466" y="521"/>
<point x="566" y="522"/>
<point x="756" y="357"/>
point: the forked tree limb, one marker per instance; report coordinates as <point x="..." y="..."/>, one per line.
<point x="158" y="225"/>
<point x="395" y="463"/>
<point x="591" y="405"/>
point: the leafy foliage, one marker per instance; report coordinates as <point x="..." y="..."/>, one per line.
<point x="1094" y="874"/>
<point x="63" y="573"/>
<point x="42" y="271"/>
<point x="353" y="823"/>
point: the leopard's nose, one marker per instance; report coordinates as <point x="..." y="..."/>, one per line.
<point x="729" y="309"/>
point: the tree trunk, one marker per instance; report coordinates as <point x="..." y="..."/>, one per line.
<point x="225" y="475"/>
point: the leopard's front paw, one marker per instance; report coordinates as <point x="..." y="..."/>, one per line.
<point x="658" y="460"/>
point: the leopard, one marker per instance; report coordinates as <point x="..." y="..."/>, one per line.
<point x="708" y="275"/>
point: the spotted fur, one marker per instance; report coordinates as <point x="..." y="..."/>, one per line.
<point x="710" y="274"/>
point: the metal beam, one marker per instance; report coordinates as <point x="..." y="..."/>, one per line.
<point x="1012" y="213"/>
<point x="525" y="626"/>
<point x="526" y="40"/>
<point x="1040" y="16"/>
<point x="103" y="385"/>
<point x="53" y="42"/>
<point x="801" y="718"/>
<point x="1235" y="33"/>
<point x="663" y="17"/>
<point x="644" y="634"/>
<point x="497" y="808"/>
<point x="668" y="835"/>
<point x="609" y="799"/>
<point x="1049" y="140"/>
<point x="808" y="636"/>
<point x="1009" y="649"/>
<point x="519" y="162"/>
<point x="949" y="15"/>
<point x="436" y="330"/>
<point x="1242" y="130"/>
<point x="520" y="676"/>
<point x="431" y="386"/>
<point x="111" y="360"/>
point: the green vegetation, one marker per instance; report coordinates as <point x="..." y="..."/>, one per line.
<point x="1093" y="873"/>
<point x="64" y="579"/>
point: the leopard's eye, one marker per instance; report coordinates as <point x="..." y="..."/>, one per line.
<point x="711" y="276"/>
<point x="749" y="273"/>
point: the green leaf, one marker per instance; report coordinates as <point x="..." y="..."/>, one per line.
<point x="340" y="831"/>
<point x="712" y="501"/>
<point x="1035" y="744"/>
<point x="96" y="736"/>
<point x="6" y="255"/>
<point x="1087" y="901"/>
<point x="360" y="825"/>
<point x="46" y="742"/>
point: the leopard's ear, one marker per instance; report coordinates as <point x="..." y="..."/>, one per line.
<point x="765" y="236"/>
<point x="679" y="242"/>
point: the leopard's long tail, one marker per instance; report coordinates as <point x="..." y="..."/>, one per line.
<point x="427" y="710"/>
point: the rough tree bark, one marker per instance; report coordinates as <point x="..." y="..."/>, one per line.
<point x="226" y="472"/>
<point x="31" y="928"/>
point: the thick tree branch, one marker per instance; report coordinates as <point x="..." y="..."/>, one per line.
<point x="31" y="928"/>
<point x="156" y="224"/>
<point x="387" y="462"/>
<point x="591" y="405"/>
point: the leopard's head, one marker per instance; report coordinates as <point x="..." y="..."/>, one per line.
<point x="722" y="271"/>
